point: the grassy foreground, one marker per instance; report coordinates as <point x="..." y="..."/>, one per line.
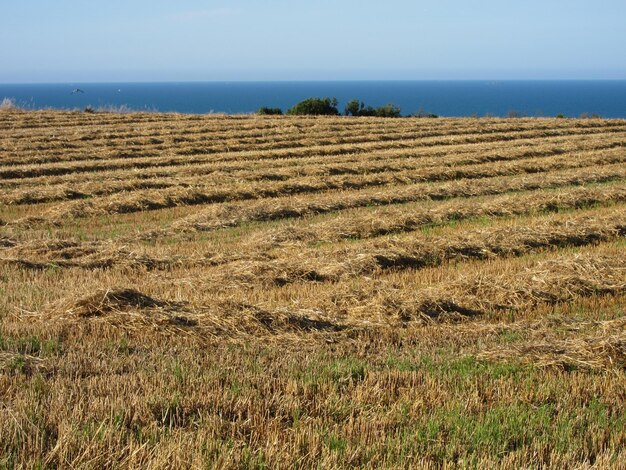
<point x="288" y="292"/>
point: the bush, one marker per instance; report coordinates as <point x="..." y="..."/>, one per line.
<point x="560" y="116"/>
<point x="265" y="111"/>
<point x="389" y="110"/>
<point x="354" y="108"/>
<point x="358" y="108"/>
<point x="315" y="107"/>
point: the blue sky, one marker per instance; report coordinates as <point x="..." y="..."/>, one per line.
<point x="171" y="40"/>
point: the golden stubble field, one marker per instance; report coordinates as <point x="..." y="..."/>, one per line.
<point x="253" y="292"/>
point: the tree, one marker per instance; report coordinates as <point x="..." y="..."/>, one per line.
<point x="358" y="108"/>
<point x="269" y="111"/>
<point x="354" y="108"/>
<point x="315" y="107"/>
<point x="389" y="110"/>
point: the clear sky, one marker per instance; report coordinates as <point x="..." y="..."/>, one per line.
<point x="171" y="40"/>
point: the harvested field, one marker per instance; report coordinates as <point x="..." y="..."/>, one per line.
<point x="253" y="292"/>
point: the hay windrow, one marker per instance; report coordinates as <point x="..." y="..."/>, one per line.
<point x="547" y="283"/>
<point x="124" y="309"/>
<point x="408" y="218"/>
<point x="233" y="214"/>
<point x="368" y="142"/>
<point x="153" y="176"/>
<point x="115" y="300"/>
<point x="418" y="252"/>
<point x="603" y="349"/>
<point x="134" y="312"/>
<point x="59" y="253"/>
<point x="98" y="255"/>
<point x="149" y="200"/>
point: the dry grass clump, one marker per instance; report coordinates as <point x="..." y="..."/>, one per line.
<point x="16" y="363"/>
<point x="6" y="242"/>
<point x="478" y="295"/>
<point x="239" y="320"/>
<point x="116" y="300"/>
<point x="550" y="282"/>
<point x="563" y="278"/>
<point x="133" y="312"/>
<point x="51" y="254"/>
<point x="126" y="309"/>
<point x="604" y="349"/>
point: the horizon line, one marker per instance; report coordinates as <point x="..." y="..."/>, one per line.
<point x="338" y="80"/>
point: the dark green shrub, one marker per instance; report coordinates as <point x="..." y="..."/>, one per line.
<point x="354" y="108"/>
<point x="560" y="116"/>
<point x="389" y="110"/>
<point x="358" y="108"/>
<point x="265" y="111"/>
<point x="315" y="107"/>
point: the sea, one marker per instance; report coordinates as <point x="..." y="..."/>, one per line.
<point x="571" y="98"/>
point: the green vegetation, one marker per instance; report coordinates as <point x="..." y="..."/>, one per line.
<point x="265" y="111"/>
<point x="358" y="108"/>
<point x="315" y="107"/>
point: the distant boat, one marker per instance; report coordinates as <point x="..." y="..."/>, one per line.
<point x="77" y="90"/>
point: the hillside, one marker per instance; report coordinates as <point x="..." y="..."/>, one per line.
<point x="247" y="291"/>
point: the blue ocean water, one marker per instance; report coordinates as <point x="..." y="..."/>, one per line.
<point x="445" y="98"/>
